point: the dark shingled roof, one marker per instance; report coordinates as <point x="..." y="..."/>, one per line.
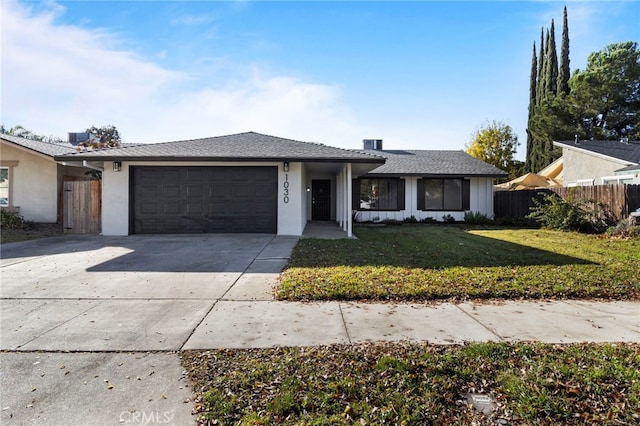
<point x="615" y="149"/>
<point x="249" y="146"/>
<point x="46" y="148"/>
<point x="433" y="163"/>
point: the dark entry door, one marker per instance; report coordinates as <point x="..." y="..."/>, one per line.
<point x="320" y="199"/>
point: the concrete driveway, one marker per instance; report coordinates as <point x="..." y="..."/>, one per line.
<point x="95" y="293"/>
<point x="89" y="324"/>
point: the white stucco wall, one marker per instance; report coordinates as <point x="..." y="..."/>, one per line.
<point x="579" y="165"/>
<point x="291" y="213"/>
<point x="115" y="195"/>
<point x="34" y="183"/>
<point x="481" y="200"/>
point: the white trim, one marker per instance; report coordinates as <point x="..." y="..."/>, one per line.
<point x="617" y="179"/>
<point x="348" y="197"/>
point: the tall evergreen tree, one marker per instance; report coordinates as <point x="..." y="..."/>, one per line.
<point x="540" y="75"/>
<point x="564" y="72"/>
<point x="532" y="103"/>
<point x="551" y="64"/>
<point x="551" y="86"/>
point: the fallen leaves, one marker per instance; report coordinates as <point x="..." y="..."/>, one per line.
<point x="396" y="383"/>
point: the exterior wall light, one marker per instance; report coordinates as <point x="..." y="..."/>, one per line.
<point x="117" y="166"/>
<point x="308" y="189"/>
<point x="285" y="166"/>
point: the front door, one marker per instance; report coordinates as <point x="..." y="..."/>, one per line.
<point x="320" y="199"/>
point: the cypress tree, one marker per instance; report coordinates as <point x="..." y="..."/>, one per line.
<point x="540" y="75"/>
<point x="564" y="70"/>
<point x="551" y="64"/>
<point x="532" y="104"/>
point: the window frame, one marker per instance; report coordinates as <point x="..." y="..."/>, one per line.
<point x="9" y="165"/>
<point x="465" y="194"/>
<point x="400" y="194"/>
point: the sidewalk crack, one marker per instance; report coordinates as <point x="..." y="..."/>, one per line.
<point x="481" y="324"/>
<point x="344" y="323"/>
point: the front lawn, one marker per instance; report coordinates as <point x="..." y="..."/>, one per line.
<point x="436" y="262"/>
<point x="417" y="384"/>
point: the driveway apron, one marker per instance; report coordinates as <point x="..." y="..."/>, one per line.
<point x="90" y="324"/>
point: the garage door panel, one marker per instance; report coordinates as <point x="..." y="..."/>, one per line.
<point x="172" y="191"/>
<point x="204" y="199"/>
<point x="172" y="208"/>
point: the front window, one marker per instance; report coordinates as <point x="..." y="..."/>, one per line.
<point x="4" y="187"/>
<point x="443" y="194"/>
<point x="378" y="194"/>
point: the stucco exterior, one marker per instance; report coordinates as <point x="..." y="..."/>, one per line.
<point x="580" y="167"/>
<point x="36" y="182"/>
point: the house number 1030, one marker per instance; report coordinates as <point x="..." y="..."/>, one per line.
<point x="285" y="184"/>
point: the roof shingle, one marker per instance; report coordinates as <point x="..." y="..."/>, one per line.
<point x="615" y="149"/>
<point x="46" y="148"/>
<point x="248" y="146"/>
<point x="440" y="163"/>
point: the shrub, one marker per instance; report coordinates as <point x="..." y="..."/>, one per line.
<point x="12" y="220"/>
<point x="410" y="219"/>
<point x="477" y="218"/>
<point x="448" y="218"/>
<point x="554" y="212"/>
<point x="624" y="229"/>
<point x="428" y="220"/>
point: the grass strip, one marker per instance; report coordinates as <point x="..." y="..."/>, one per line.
<point x="421" y="384"/>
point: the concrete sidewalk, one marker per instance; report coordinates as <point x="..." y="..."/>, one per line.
<point x="90" y="326"/>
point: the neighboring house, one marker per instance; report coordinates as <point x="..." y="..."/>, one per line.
<point x="31" y="178"/>
<point x="600" y="162"/>
<point x="251" y="182"/>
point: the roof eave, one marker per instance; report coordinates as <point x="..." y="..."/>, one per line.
<point x="29" y="150"/>
<point x="592" y="153"/>
<point x="218" y="159"/>
<point x="435" y="175"/>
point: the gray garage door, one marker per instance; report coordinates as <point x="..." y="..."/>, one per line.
<point x="178" y="200"/>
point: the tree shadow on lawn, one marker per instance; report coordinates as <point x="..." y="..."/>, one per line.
<point x="445" y="247"/>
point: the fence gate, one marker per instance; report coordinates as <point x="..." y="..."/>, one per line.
<point x="82" y="201"/>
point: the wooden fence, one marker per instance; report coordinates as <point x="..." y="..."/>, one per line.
<point x="621" y="199"/>
<point x="82" y="206"/>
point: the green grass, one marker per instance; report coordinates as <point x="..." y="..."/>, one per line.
<point x="435" y="262"/>
<point x="417" y="384"/>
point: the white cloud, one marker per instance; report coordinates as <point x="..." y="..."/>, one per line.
<point x="59" y="78"/>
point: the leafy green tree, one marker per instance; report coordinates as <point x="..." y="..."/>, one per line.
<point x="102" y="137"/>
<point x="605" y="97"/>
<point x="496" y="144"/>
<point x="21" y="132"/>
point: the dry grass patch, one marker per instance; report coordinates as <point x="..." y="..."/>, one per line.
<point x="417" y="384"/>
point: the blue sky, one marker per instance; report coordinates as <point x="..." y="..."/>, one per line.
<point x="420" y="74"/>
